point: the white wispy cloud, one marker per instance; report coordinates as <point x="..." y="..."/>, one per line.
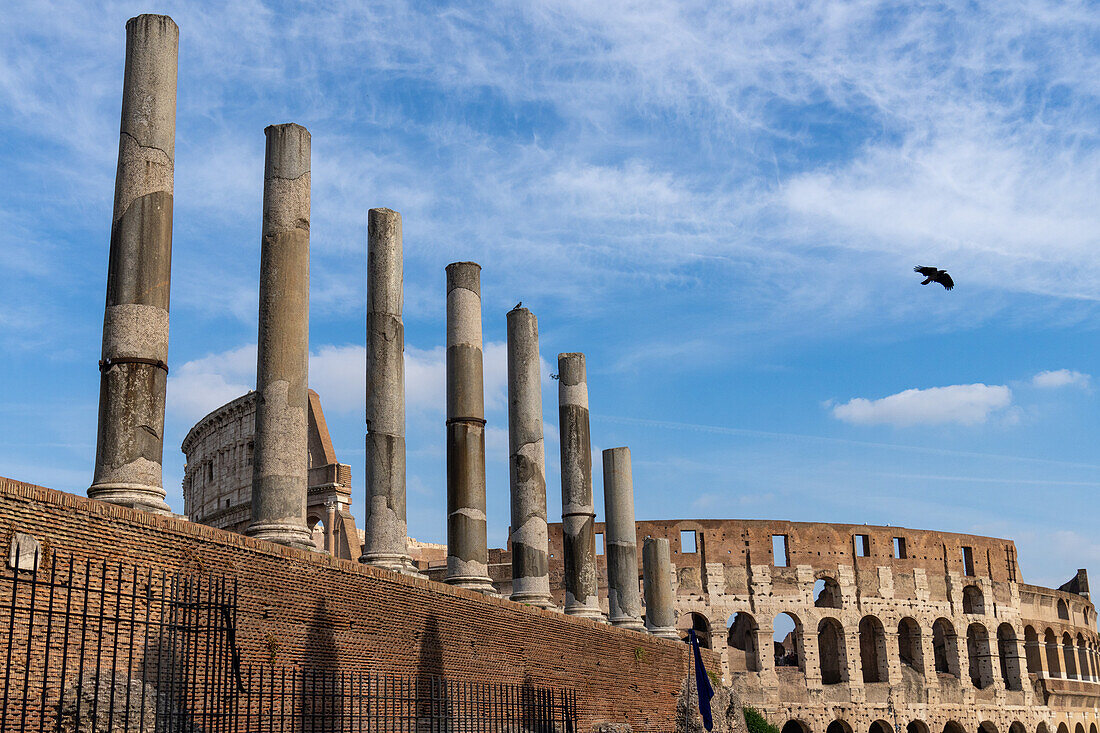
<point x="962" y="404"/>
<point x="1061" y="378"/>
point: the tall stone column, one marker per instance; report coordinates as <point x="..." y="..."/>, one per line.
<point x="281" y="455"/>
<point x="467" y="549"/>
<point x="578" y="514"/>
<point x="133" y="368"/>
<point x="527" y="463"/>
<point x="385" y="532"/>
<point x="660" y="610"/>
<point x="621" y="541"/>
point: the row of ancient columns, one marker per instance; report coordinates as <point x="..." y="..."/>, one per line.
<point x="134" y="376"/>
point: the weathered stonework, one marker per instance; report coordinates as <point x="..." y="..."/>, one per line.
<point x="467" y="544"/>
<point x="620" y="541"/>
<point x="280" y="467"/>
<point x="385" y="530"/>
<point x="134" y="369"/>
<point x="527" y="463"/>
<point x="660" y="616"/>
<point x="578" y="512"/>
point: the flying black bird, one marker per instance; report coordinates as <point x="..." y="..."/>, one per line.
<point x="518" y="305"/>
<point x="932" y="275"/>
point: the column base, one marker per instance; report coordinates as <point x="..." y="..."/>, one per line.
<point x="585" y="612"/>
<point x="664" y="632"/>
<point x="480" y="583"/>
<point x="142" y="497"/>
<point x="283" y="533"/>
<point x="542" y="600"/>
<point x="631" y="623"/>
<point x="397" y="563"/>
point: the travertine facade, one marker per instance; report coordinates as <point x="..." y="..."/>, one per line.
<point x="217" y="481"/>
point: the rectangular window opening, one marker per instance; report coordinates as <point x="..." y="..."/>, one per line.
<point x="899" y="548"/>
<point x="599" y="543"/>
<point x="968" y="561"/>
<point x="780" y="558"/>
<point x="863" y="545"/>
<point x="687" y="541"/>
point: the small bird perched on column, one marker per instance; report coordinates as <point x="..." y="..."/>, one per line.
<point x="932" y="275"/>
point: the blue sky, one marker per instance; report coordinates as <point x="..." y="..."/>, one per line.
<point x="720" y="204"/>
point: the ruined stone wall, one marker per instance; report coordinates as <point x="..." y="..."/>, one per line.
<point x="310" y="609"/>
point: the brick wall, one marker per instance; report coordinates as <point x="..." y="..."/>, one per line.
<point x="337" y="614"/>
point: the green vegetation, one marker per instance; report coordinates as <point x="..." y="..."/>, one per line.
<point x="756" y="722"/>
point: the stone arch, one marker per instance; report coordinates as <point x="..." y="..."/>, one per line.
<point x="916" y="726"/>
<point x="872" y="650"/>
<point x="973" y="600"/>
<point x="880" y="726"/>
<point x="1078" y="728"/>
<point x="832" y="654"/>
<point x="909" y="644"/>
<point x="1082" y="659"/>
<point x="316" y="525"/>
<point x="1092" y="727"/>
<point x="1008" y="651"/>
<point x="945" y="647"/>
<point x="788" y="649"/>
<point x="1063" y="611"/>
<point x="839" y="726"/>
<point x="952" y="726"/>
<point x="977" y="651"/>
<point x="1054" y="664"/>
<point x="1017" y="727"/>
<point x="1032" y="650"/>
<point x="1063" y="728"/>
<point x="795" y="726"/>
<point x="1042" y="727"/>
<point x="987" y="726"/>
<point x="1067" y="656"/>
<point x="827" y="593"/>
<point x="697" y="622"/>
<point x="741" y="643"/>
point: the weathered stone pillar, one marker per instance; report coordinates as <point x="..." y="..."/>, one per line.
<point x="660" y="610"/>
<point x="467" y="549"/>
<point x="330" y="522"/>
<point x="578" y="514"/>
<point x="385" y="532"/>
<point x="280" y="458"/>
<point x="527" y="463"/>
<point x="621" y="541"/>
<point x="133" y="368"/>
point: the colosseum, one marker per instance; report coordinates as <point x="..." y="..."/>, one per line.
<point x="825" y="628"/>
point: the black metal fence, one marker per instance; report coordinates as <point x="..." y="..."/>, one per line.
<point x="97" y="646"/>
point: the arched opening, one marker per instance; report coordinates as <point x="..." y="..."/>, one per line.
<point x="909" y="645"/>
<point x="317" y="527"/>
<point x="787" y="642"/>
<point x="827" y="593"/>
<point x="916" y="726"/>
<point x="945" y="647"/>
<point x="880" y="726"/>
<point x="872" y="649"/>
<point x="838" y="726"/>
<point x="741" y="643"/>
<point x="977" y="651"/>
<point x="1032" y="650"/>
<point x="830" y="652"/>
<point x="1008" y="651"/>
<point x="986" y="727"/>
<point x="1017" y="727"/>
<point x="696" y="622"/>
<point x="1063" y="728"/>
<point x="1082" y="660"/>
<point x="1054" y="665"/>
<point x="1092" y="727"/>
<point x="952" y="727"/>
<point x="1067" y="656"/>
<point x="1078" y="728"/>
<point x="795" y="726"/>
<point x="1063" y="612"/>
<point x="973" y="600"/>
<point x="1042" y="728"/>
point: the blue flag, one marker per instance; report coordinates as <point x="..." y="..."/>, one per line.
<point x="702" y="683"/>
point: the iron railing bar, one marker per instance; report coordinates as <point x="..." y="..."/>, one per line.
<point x="49" y="630"/>
<point x="114" y="651"/>
<point x="30" y="639"/>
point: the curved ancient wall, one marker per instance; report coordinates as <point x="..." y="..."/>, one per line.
<point x="892" y="628"/>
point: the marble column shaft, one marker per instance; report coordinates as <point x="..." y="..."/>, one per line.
<point x="660" y="611"/>
<point x="621" y="541"/>
<point x="385" y="531"/>
<point x="134" y="364"/>
<point x="467" y="549"/>
<point x="281" y="455"/>
<point x="578" y="514"/>
<point x="527" y="463"/>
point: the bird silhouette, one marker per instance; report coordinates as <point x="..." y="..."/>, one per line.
<point x="932" y="275"/>
<point x="518" y="305"/>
